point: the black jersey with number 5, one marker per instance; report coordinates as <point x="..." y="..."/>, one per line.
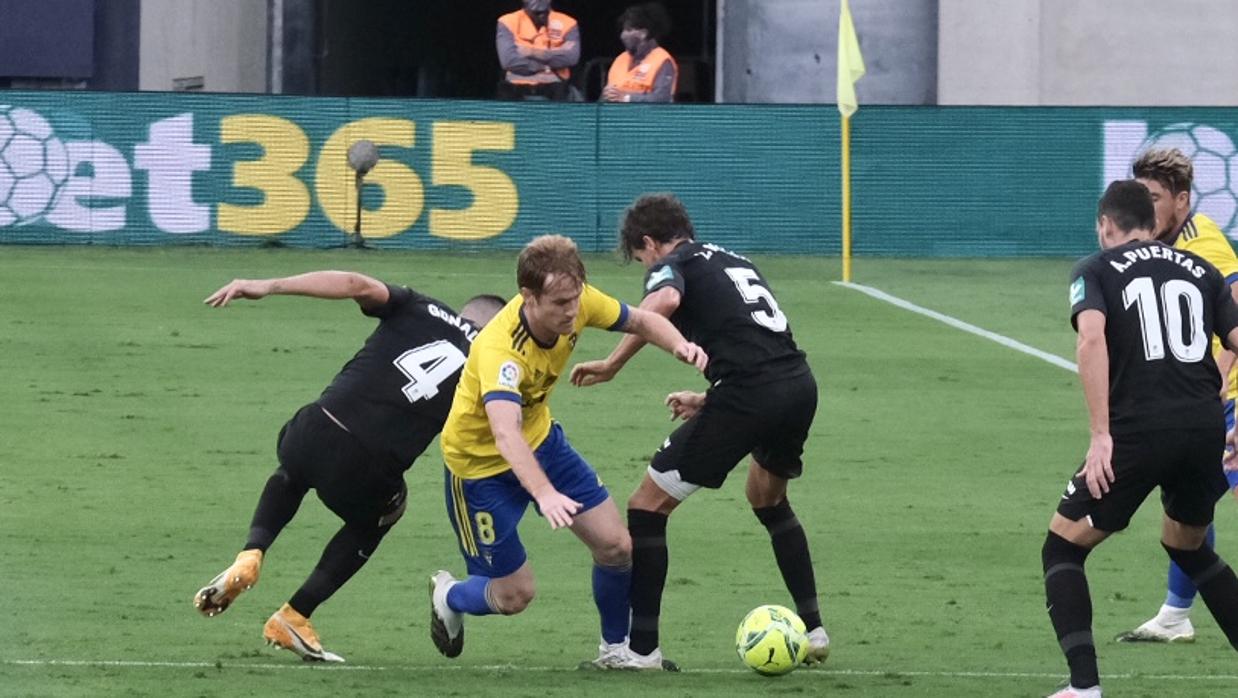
<point x="395" y="393"/>
<point x="727" y="307"/>
<point x="1162" y="307"/>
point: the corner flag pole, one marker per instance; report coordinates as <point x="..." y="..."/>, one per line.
<point x="846" y="173"/>
<point x="850" y="69"/>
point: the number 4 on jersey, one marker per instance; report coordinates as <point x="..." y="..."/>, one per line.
<point x="427" y="367"/>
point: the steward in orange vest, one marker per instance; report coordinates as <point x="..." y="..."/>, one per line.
<point x="644" y="72"/>
<point x="537" y="48"/>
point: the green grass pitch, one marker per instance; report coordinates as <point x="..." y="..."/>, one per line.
<point x="139" y="426"/>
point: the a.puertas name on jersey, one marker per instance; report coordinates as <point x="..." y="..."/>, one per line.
<point x="1144" y="254"/>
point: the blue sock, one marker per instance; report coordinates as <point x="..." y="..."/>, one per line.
<point x="470" y="597"/>
<point x="1181" y="589"/>
<point x="610" y="592"/>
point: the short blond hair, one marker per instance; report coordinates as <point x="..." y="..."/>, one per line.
<point x="1169" y="167"/>
<point x="547" y="255"/>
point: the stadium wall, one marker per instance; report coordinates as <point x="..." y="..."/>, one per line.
<point x="165" y="168"/>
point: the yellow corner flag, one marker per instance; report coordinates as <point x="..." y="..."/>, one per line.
<point x="850" y="62"/>
<point x="850" y="69"/>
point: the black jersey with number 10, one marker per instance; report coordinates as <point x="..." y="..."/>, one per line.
<point x="727" y="307"/>
<point x="1161" y="308"/>
<point x="394" y="395"/>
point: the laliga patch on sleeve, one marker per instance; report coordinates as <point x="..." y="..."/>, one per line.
<point x="509" y="375"/>
<point x="657" y="277"/>
<point x="1077" y="290"/>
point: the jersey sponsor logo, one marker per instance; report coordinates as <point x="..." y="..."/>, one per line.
<point x="1077" y="291"/>
<point x="657" y="277"/>
<point x="509" y="375"/>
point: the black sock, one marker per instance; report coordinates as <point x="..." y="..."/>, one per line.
<point x="649" y="563"/>
<point x="345" y="553"/>
<point x="1216" y="582"/>
<point x="279" y="502"/>
<point x="1070" y="607"/>
<point x="794" y="561"/>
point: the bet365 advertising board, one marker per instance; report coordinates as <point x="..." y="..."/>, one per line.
<point x="159" y="168"/>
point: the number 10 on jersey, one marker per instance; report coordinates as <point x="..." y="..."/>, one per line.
<point x="1141" y="293"/>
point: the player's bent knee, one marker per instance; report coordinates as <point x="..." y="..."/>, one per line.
<point x="616" y="552"/>
<point x="1182" y="536"/>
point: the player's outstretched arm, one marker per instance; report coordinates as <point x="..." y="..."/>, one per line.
<point x="332" y="285"/>
<point x="1092" y="354"/>
<point x="659" y="331"/>
<point x="663" y="302"/>
<point x="504" y="417"/>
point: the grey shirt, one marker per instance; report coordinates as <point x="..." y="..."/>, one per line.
<point x="663" y="83"/>
<point x="663" y="86"/>
<point x="509" y="55"/>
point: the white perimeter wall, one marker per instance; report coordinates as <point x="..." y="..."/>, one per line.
<point x="1088" y="52"/>
<point x="225" y="41"/>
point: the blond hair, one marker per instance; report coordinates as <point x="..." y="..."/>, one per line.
<point x="547" y="255"/>
<point x="1169" y="167"/>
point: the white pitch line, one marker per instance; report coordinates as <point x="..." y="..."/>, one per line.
<point x="302" y="666"/>
<point x="965" y="326"/>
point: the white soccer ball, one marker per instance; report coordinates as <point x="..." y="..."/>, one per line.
<point x="1214" y="192"/>
<point x="772" y="640"/>
<point x="34" y="165"/>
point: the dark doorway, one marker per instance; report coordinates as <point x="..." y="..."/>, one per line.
<point x="445" y="48"/>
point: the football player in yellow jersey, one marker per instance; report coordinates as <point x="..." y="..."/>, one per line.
<point x="503" y="450"/>
<point x="1168" y="175"/>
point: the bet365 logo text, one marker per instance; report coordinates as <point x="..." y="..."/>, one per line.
<point x="88" y="185"/>
<point x="1215" y="191"/>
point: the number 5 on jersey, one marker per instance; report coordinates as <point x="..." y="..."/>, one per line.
<point x="427" y="367"/>
<point x="753" y="291"/>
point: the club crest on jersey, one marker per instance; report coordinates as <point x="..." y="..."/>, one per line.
<point x="1077" y="290"/>
<point x="509" y="375"/>
<point x="657" y="277"/>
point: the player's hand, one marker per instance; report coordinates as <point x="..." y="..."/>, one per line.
<point x="1230" y="459"/>
<point x="685" y="404"/>
<point x="239" y="288"/>
<point x="690" y="353"/>
<point x="610" y="93"/>
<point x="1097" y="465"/>
<point x="556" y="507"/>
<point x="589" y="373"/>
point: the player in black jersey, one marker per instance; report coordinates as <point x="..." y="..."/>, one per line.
<point x="1144" y="313"/>
<point x="353" y="444"/>
<point x="761" y="401"/>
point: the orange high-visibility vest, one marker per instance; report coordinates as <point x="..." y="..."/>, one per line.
<point x="528" y="34"/>
<point x="639" y="78"/>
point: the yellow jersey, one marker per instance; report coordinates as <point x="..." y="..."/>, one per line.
<point x="1200" y="235"/>
<point x="507" y="363"/>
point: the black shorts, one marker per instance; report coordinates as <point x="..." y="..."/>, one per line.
<point x="1184" y="463"/>
<point x="360" y="487"/>
<point x="769" y="420"/>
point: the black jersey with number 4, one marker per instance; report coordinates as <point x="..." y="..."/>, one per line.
<point x="1161" y="308"/>
<point x="727" y="307"/>
<point x="396" y="392"/>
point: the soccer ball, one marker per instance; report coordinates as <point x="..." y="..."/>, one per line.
<point x="1214" y="192"/>
<point x="34" y="165"/>
<point x="772" y="640"/>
